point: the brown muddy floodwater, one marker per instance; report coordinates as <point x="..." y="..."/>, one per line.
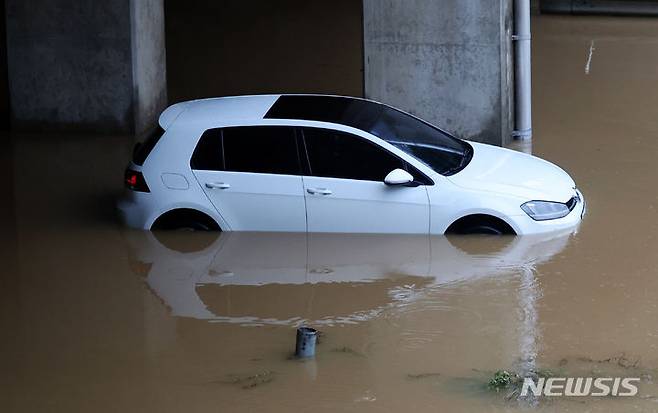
<point x="96" y="318"/>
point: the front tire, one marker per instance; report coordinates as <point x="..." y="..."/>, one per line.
<point x="480" y="224"/>
<point x="482" y="230"/>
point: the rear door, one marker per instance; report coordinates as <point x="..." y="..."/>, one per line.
<point x="252" y="176"/>
<point x="345" y="189"/>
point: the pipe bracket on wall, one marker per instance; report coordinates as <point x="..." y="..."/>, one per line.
<point x="522" y="134"/>
<point x="521" y="37"/>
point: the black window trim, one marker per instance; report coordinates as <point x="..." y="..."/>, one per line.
<point x="143" y="149"/>
<point x="426" y="181"/>
<point x="302" y="152"/>
<point x="221" y="140"/>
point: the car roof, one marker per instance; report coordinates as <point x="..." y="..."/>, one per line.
<point x="232" y="108"/>
<point x="224" y="108"/>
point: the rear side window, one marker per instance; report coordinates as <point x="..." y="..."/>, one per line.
<point x="143" y="149"/>
<point x="256" y="149"/>
<point x="334" y="154"/>
<point x="208" y="155"/>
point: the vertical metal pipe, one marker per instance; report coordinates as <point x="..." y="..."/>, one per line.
<point x="305" y="344"/>
<point x="522" y="75"/>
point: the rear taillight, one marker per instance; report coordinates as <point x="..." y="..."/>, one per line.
<point x="135" y="181"/>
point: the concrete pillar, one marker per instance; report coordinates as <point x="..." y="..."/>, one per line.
<point x="96" y="66"/>
<point x="446" y="61"/>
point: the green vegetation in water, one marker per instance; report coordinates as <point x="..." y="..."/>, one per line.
<point x="503" y="379"/>
<point x="511" y="381"/>
<point x="508" y="383"/>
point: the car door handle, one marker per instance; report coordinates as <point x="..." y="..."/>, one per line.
<point x="217" y="185"/>
<point x="319" y="191"/>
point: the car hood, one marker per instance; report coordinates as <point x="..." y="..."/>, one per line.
<point x="501" y="170"/>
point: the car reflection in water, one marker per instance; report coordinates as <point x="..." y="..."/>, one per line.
<point x="322" y="279"/>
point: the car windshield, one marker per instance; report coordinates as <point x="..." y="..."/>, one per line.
<point x="437" y="149"/>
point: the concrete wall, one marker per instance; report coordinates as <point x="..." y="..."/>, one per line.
<point x="447" y="61"/>
<point x="149" y="62"/>
<point x="229" y="47"/>
<point x="102" y="66"/>
<point x="85" y="65"/>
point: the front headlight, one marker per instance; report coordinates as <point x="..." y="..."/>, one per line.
<point x="545" y="210"/>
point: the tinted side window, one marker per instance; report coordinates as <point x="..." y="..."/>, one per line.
<point x="261" y="149"/>
<point x="208" y="154"/>
<point x="334" y="154"/>
<point x="257" y="149"/>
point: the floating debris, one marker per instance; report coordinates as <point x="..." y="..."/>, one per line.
<point x="251" y="381"/>
<point x="620" y="360"/>
<point x="347" y="350"/>
<point x="367" y="397"/>
<point x="423" y="376"/>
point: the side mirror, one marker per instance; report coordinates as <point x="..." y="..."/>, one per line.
<point x="399" y="177"/>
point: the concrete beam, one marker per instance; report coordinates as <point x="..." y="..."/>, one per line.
<point x="88" y="66"/>
<point x="601" y="7"/>
<point x="447" y="61"/>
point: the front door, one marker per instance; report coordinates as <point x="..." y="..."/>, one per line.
<point x="345" y="189"/>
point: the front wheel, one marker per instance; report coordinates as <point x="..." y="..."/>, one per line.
<point x="483" y="230"/>
<point x="480" y="224"/>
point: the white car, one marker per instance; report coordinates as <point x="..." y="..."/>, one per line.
<point x="316" y="163"/>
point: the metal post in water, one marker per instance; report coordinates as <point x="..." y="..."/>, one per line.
<point x="522" y="73"/>
<point x="306" y="339"/>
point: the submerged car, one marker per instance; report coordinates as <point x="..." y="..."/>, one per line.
<point x="316" y="163"/>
